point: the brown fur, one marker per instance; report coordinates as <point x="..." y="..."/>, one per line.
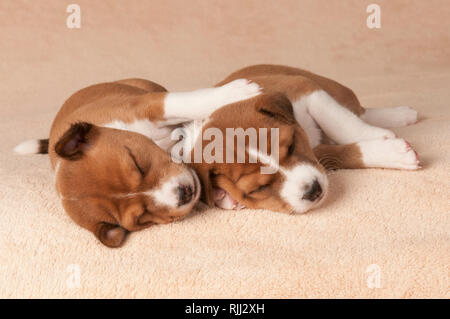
<point x="103" y="103"/>
<point x="296" y="82"/>
<point x="239" y="180"/>
<point x="98" y="166"/>
<point x="87" y="194"/>
<point x="339" y="156"/>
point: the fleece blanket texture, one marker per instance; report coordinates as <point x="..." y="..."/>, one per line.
<point x="380" y="233"/>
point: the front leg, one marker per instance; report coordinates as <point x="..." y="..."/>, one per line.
<point x="199" y="104"/>
<point x="339" y="123"/>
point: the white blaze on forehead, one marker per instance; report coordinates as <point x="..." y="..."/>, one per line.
<point x="167" y="193"/>
<point x="298" y="179"/>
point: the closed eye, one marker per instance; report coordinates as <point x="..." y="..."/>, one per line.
<point x="259" y="189"/>
<point x="139" y="168"/>
<point x="145" y="218"/>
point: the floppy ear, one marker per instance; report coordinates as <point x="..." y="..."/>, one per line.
<point x="111" y="235"/>
<point x="88" y="214"/>
<point x="276" y="106"/>
<point x="72" y="144"/>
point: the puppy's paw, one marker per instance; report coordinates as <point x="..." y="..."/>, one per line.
<point x="389" y="153"/>
<point x="402" y="116"/>
<point x="390" y="116"/>
<point x="375" y="133"/>
<point x="240" y="89"/>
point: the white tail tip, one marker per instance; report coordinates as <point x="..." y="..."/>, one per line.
<point x="27" y="147"/>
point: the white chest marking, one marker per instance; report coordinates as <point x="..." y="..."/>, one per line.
<point x="166" y="194"/>
<point x="160" y="135"/>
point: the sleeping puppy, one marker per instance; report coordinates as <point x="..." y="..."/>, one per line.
<point x="321" y="125"/>
<point x="109" y="147"/>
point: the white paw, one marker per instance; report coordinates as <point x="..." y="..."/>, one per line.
<point x="390" y="116"/>
<point x="389" y="153"/>
<point x="373" y="133"/>
<point x="239" y="90"/>
<point x="402" y="116"/>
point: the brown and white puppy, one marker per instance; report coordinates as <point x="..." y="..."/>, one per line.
<point x="321" y="125"/>
<point x="108" y="146"/>
<point x="296" y="181"/>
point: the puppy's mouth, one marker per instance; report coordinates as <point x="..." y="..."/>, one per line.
<point x="223" y="199"/>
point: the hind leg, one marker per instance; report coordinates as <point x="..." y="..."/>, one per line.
<point x="382" y="153"/>
<point x="391" y="116"/>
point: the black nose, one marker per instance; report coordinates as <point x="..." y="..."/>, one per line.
<point x="185" y="193"/>
<point x="313" y="192"/>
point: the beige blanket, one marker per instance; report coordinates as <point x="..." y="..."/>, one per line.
<point x="380" y="233"/>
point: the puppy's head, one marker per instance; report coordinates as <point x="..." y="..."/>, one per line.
<point x="112" y="182"/>
<point x="291" y="181"/>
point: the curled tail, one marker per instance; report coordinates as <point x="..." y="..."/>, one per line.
<point x="32" y="147"/>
